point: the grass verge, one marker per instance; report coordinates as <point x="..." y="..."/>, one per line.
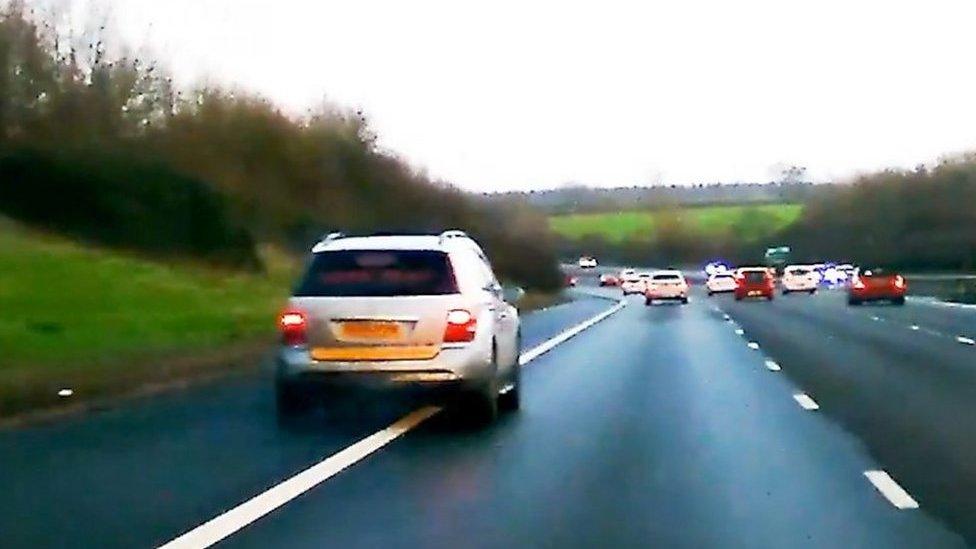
<point x="100" y="322"/>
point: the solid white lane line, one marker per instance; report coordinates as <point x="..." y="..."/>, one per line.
<point x="772" y="366"/>
<point x="229" y="522"/>
<point x="966" y="340"/>
<point x="753" y="345"/>
<point x="891" y="490"/>
<point x="549" y="345"/>
<point x="805" y="401"/>
<point x="251" y="510"/>
<point x="739" y="331"/>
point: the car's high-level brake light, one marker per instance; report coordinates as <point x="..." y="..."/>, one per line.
<point x="461" y="326"/>
<point x="899" y="281"/>
<point x="857" y="283"/>
<point x="293" y="325"/>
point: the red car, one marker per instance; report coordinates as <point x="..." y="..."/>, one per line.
<point x="754" y="282"/>
<point x="876" y="285"/>
<point x="570" y="280"/>
<point x="609" y="280"/>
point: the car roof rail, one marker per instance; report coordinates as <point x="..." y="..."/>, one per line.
<point x="453" y="233"/>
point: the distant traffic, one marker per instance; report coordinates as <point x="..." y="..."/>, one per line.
<point x="863" y="284"/>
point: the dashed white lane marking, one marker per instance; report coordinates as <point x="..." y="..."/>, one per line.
<point x="64" y="393"/>
<point x="753" y="345"/>
<point x="914" y="327"/>
<point x="873" y="317"/>
<point x="726" y="317"/>
<point x="805" y="401"/>
<point x="966" y="340"/>
<point x="739" y="331"/>
<point x="891" y="490"/>
<point x="229" y="522"/>
<point x="772" y="366"/>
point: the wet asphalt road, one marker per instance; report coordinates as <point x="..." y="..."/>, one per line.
<point x="657" y="427"/>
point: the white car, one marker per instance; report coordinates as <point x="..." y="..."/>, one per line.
<point x="666" y="285"/>
<point x="587" y="262"/>
<point x="400" y="312"/>
<point x="631" y="282"/>
<point x="799" y="278"/>
<point x="720" y="283"/>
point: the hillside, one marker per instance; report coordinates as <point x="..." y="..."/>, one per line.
<point x="749" y="222"/>
<point x="581" y="199"/>
<point x="99" y="321"/>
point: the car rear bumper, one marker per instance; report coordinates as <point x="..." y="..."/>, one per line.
<point x="666" y="295"/>
<point x="753" y="292"/>
<point x="805" y="287"/>
<point x="876" y="294"/>
<point x="453" y="368"/>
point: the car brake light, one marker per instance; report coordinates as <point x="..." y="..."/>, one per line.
<point x="857" y="283"/>
<point x="899" y="282"/>
<point x="293" y="325"/>
<point x="461" y="326"/>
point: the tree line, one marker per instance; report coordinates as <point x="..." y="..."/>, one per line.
<point x="98" y="142"/>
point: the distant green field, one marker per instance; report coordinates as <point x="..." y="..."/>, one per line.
<point x="72" y="315"/>
<point x="750" y="222"/>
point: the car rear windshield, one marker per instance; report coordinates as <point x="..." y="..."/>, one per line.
<point x="799" y="272"/>
<point x="876" y="271"/>
<point x="667" y="276"/>
<point x="722" y="275"/>
<point x="755" y="276"/>
<point x="378" y="273"/>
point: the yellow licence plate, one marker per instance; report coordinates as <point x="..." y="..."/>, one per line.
<point x="370" y="329"/>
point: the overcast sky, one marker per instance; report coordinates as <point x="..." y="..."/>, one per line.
<point x="520" y="94"/>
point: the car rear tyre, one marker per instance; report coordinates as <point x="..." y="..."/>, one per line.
<point x="479" y="408"/>
<point x="648" y="301"/>
<point x="854" y="302"/>
<point x="684" y="300"/>
<point x="785" y="291"/>
<point x="899" y="300"/>
<point x="512" y="400"/>
<point x="291" y="400"/>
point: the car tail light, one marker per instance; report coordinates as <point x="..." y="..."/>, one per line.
<point x="857" y="283"/>
<point x="461" y="326"/>
<point x="899" y="282"/>
<point x="293" y="325"/>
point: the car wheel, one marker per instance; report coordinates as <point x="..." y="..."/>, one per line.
<point x="899" y="300"/>
<point x="648" y="301"/>
<point x="291" y="400"/>
<point x="785" y="291"/>
<point x="853" y="301"/>
<point x="769" y="297"/>
<point x="512" y="399"/>
<point x="738" y="298"/>
<point x="684" y="300"/>
<point x="480" y="407"/>
<point x="813" y="291"/>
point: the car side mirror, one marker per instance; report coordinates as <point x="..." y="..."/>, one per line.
<point x="512" y="294"/>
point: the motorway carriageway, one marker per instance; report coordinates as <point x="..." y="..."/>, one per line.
<point x="800" y="422"/>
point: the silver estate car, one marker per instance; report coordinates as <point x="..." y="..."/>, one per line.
<point x="403" y="312"/>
